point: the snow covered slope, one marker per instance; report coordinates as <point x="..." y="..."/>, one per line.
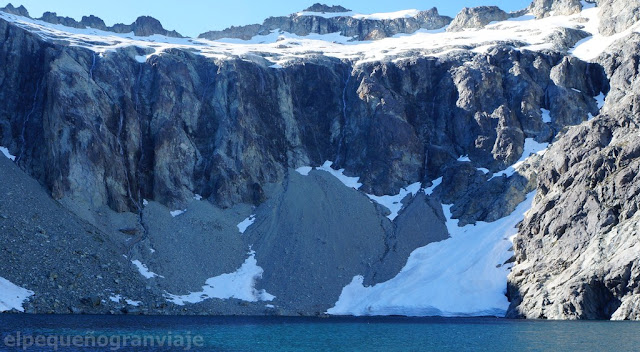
<point x="525" y="33"/>
<point x="465" y="275"/>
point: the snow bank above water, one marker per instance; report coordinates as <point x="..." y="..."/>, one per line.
<point x="461" y="276"/>
<point x="12" y="296"/>
<point x="239" y="284"/>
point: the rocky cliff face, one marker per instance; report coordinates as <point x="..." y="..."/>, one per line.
<point x="577" y="251"/>
<point x="174" y="122"/>
<point x="312" y="21"/>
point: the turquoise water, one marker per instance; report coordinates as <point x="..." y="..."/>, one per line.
<point x="311" y="334"/>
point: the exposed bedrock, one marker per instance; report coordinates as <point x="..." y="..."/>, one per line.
<point x="618" y="15"/>
<point x="476" y="17"/>
<point x="110" y="130"/>
<point x="577" y="250"/>
<point x="357" y="28"/>
<point x="545" y="8"/>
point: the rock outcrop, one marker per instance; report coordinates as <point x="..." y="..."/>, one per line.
<point x="352" y="27"/>
<point x="618" y="15"/>
<point x="317" y="7"/>
<point x="53" y="18"/>
<point x="477" y="17"/>
<point x="545" y="8"/>
<point x="144" y="26"/>
<point x="86" y="22"/>
<point x="20" y="10"/>
<point x="577" y="251"/>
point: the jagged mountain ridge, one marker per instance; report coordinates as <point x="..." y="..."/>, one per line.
<point x="142" y="26"/>
<point x="183" y="124"/>
<point x="348" y="24"/>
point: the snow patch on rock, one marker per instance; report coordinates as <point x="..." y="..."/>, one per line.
<point x="144" y="271"/>
<point x="175" y="213"/>
<point x="6" y="153"/>
<point x="242" y="227"/>
<point x="394" y="202"/>
<point x="12" y="296"/>
<point x="530" y="147"/>
<point x="304" y="170"/>
<point x="348" y="181"/>
<point x="239" y="284"/>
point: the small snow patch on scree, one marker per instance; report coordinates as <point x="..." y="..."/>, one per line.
<point x="239" y="284"/>
<point x="175" y="213"/>
<point x="242" y="227"/>
<point x="339" y="174"/>
<point x="435" y="183"/>
<point x="304" y="170"/>
<point x="12" y="296"/>
<point x="394" y="203"/>
<point x="6" y="153"/>
<point x="144" y="271"/>
<point x="460" y="276"/>
<point x="131" y="302"/>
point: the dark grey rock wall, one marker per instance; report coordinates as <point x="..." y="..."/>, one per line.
<point x="181" y="124"/>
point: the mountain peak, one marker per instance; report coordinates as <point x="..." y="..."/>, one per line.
<point x="318" y="7"/>
<point x="20" y="10"/>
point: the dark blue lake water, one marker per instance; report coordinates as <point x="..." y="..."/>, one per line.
<point x="148" y="333"/>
